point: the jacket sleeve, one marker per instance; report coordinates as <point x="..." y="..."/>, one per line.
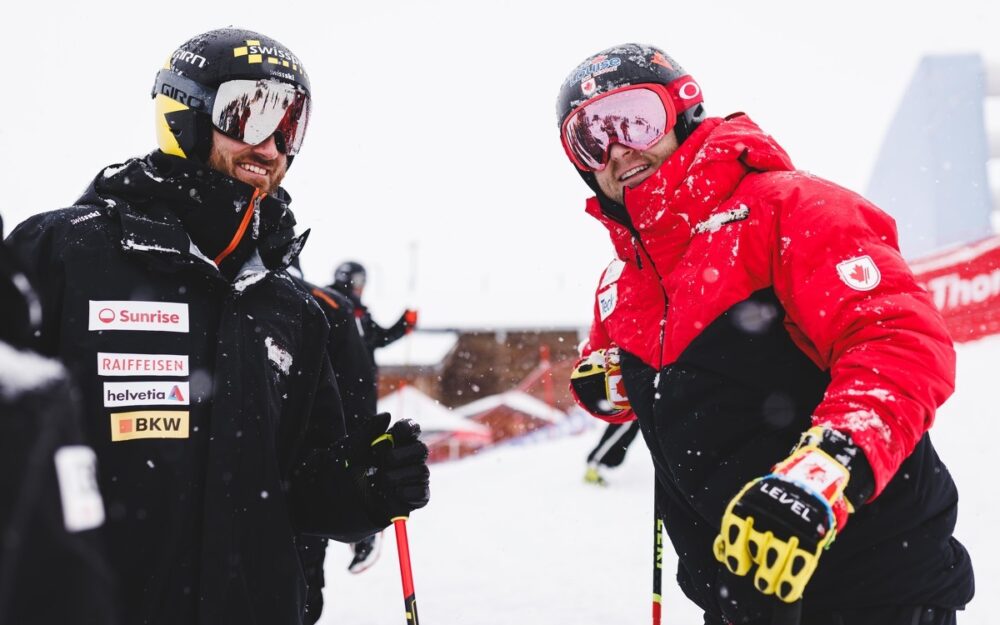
<point x="384" y="336"/>
<point x="855" y="308"/>
<point x="324" y="498"/>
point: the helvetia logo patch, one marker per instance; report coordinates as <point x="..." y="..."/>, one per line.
<point x="145" y="394"/>
<point x="859" y="273"/>
<point x="127" y="426"/>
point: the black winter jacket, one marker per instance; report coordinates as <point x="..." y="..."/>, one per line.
<point x="211" y="403"/>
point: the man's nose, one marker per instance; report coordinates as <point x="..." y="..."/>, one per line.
<point x="267" y="149"/>
<point x="618" y="150"/>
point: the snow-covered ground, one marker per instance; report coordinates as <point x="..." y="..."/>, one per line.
<point x="515" y="536"/>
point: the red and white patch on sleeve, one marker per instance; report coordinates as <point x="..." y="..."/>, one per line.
<point x="859" y="273"/>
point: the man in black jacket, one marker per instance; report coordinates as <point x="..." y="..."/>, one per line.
<point x="207" y="389"/>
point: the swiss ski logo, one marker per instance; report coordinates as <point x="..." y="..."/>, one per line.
<point x="859" y="273"/>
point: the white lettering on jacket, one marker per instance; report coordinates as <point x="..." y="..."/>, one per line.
<point x="138" y="316"/>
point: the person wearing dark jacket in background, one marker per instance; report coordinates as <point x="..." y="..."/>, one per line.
<point x="782" y="361"/>
<point x="206" y="386"/>
<point x="51" y="511"/>
<point x="349" y="280"/>
<point x="355" y="375"/>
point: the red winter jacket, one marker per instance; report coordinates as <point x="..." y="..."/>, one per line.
<point x="726" y="216"/>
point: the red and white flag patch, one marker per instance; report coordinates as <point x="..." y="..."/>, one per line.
<point x="859" y="273"/>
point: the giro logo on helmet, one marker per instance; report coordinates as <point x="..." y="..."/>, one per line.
<point x="189" y="57"/>
<point x="189" y="101"/>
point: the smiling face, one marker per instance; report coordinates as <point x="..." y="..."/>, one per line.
<point x="262" y="166"/>
<point x="628" y="167"/>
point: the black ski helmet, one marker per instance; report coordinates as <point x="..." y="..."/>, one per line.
<point x="631" y="64"/>
<point x="198" y="67"/>
<point x="348" y="275"/>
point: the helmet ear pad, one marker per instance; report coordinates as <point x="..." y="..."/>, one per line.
<point x="192" y="132"/>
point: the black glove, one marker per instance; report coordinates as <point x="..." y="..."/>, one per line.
<point x="389" y="467"/>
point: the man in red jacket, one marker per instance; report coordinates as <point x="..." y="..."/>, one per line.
<point x="782" y="361"/>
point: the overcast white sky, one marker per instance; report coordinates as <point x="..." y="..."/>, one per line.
<point x="433" y="135"/>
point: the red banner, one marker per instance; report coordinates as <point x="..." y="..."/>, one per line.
<point x="965" y="284"/>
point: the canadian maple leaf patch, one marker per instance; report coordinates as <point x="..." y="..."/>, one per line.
<point x="859" y="273"/>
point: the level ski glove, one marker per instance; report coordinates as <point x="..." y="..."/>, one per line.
<point x="597" y="386"/>
<point x="781" y="523"/>
<point x="389" y="468"/>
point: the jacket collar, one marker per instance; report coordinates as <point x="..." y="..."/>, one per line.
<point x="149" y="193"/>
<point x="690" y="185"/>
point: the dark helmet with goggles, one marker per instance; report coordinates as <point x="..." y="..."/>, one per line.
<point x="244" y="84"/>
<point x="631" y="94"/>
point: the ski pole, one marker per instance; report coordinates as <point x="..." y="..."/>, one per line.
<point x="787" y="613"/>
<point x="403" y="547"/>
<point x="657" y="557"/>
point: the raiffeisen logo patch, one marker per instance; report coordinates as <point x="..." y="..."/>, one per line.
<point x="128" y="426"/>
<point x="145" y="394"/>
<point x="254" y="52"/>
<point x="138" y="316"/>
<point x="111" y="364"/>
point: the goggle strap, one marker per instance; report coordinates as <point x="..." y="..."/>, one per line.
<point x="684" y="92"/>
<point x="184" y="90"/>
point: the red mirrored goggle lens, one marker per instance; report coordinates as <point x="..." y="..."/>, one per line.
<point x="634" y="117"/>
<point x="253" y="110"/>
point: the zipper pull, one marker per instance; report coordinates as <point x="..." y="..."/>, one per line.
<point x="638" y="256"/>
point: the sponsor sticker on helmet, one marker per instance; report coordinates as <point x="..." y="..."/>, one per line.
<point x="138" y="316"/>
<point x="859" y="273"/>
<point x="128" y="426"/>
<point x="596" y="66"/>
<point x="255" y="53"/>
<point x="588" y="86"/>
<point x="76" y="472"/>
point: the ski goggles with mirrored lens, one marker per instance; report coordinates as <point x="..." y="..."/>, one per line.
<point x="246" y="110"/>
<point x="252" y="110"/>
<point x="636" y="116"/>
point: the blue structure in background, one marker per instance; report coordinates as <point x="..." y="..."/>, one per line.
<point x="931" y="173"/>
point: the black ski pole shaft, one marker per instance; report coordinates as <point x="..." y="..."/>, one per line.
<point x="657" y="557"/>
<point x="787" y="613"/>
